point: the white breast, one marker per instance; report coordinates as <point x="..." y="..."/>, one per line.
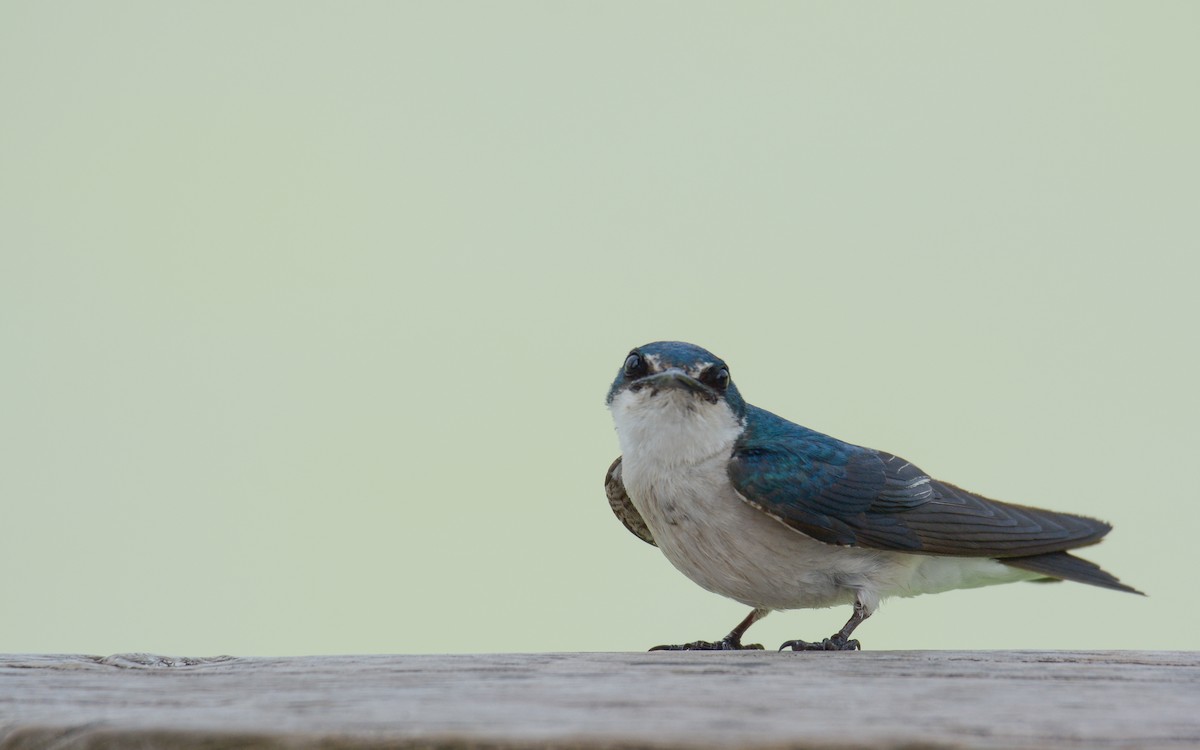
<point x="674" y="454"/>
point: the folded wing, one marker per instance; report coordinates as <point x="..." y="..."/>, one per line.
<point x="621" y="506"/>
<point x="848" y="495"/>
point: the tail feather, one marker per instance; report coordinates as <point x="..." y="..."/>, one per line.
<point x="1069" y="568"/>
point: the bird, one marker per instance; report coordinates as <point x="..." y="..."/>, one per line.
<point x="778" y="516"/>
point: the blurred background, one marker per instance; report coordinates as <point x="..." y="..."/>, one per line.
<point x="308" y="309"/>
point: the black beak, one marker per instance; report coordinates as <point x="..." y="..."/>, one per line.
<point x="675" y="378"/>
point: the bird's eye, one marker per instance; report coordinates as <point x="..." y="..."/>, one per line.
<point x="635" y="365"/>
<point x="717" y="377"/>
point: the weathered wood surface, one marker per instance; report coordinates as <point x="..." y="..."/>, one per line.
<point x="867" y="699"/>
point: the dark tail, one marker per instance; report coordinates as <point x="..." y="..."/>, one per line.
<point x="1069" y="568"/>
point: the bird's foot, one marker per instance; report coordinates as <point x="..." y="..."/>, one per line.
<point x="829" y="644"/>
<point x="725" y="644"/>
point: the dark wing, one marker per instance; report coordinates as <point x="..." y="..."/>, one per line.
<point x="618" y="500"/>
<point x="848" y="495"/>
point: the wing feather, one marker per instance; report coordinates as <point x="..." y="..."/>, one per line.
<point x="622" y="507"/>
<point x="848" y="495"/>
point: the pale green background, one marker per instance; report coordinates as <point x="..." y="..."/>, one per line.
<point x="309" y="309"/>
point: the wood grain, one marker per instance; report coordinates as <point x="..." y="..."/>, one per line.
<point x="917" y="699"/>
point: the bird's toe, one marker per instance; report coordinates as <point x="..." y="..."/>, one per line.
<point x="828" y="644"/>
<point x="725" y="644"/>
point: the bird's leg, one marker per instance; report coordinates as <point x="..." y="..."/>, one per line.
<point x="839" y="641"/>
<point x="731" y="642"/>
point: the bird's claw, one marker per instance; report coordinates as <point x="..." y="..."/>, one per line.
<point x="829" y="644"/>
<point x="725" y="644"/>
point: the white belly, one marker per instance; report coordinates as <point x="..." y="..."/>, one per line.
<point x="674" y="455"/>
<point x="731" y="548"/>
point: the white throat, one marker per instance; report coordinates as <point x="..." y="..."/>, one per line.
<point x="672" y="429"/>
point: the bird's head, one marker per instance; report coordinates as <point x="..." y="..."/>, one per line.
<point x="676" y="394"/>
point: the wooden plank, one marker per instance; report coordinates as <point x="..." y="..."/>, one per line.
<point x="870" y="699"/>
